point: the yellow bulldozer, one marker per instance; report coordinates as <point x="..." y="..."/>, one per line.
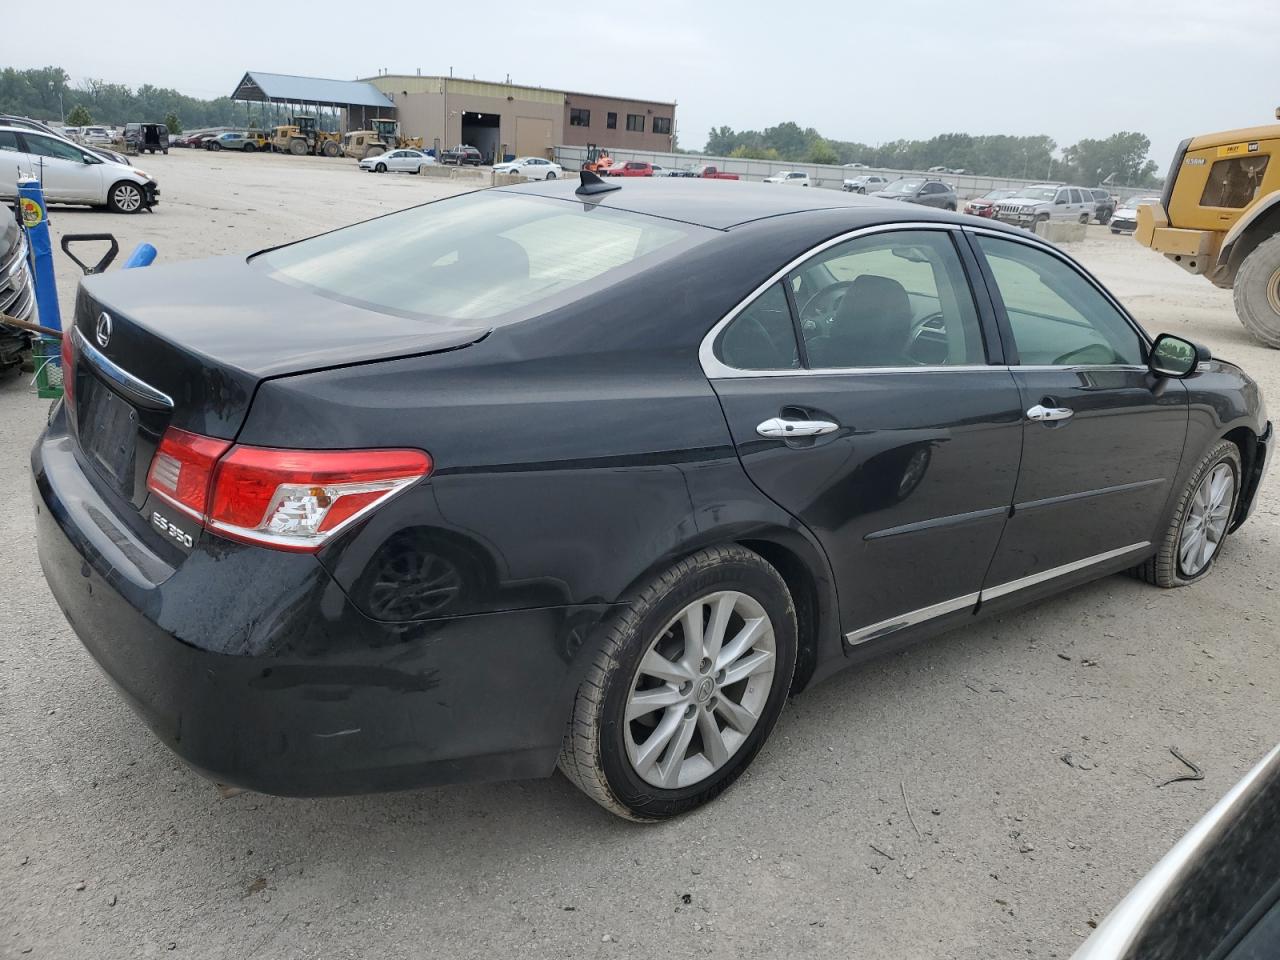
<point x="384" y="136"/>
<point x="302" y="136"/>
<point x="1219" y="217"/>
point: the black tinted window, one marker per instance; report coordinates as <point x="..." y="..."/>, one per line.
<point x="1058" y="318"/>
<point x="761" y="337"/>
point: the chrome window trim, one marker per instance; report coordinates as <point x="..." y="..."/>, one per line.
<point x="1046" y="247"/>
<point x="890" y="625"/>
<point x="716" y="369"/>
<point x="137" y="390"/>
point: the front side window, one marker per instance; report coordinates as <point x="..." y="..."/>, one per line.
<point x="611" y="120"/>
<point x="480" y="256"/>
<point x="1057" y="317"/>
<point x="56" y="149"/>
<point x="635" y="122"/>
<point x="1234" y="183"/>
<point x="9" y="142"/>
<point x="761" y="337"/>
<point x="895" y="299"/>
<point x="661" y="124"/>
<point x="579" y="118"/>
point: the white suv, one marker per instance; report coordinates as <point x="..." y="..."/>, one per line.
<point x="1046" y="201"/>
<point x="72" y="174"/>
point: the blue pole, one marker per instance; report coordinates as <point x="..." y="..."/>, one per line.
<point x="36" y="218"/>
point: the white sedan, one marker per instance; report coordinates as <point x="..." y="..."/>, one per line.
<point x="398" y="161"/>
<point x="72" y="173"/>
<point x="535" y="168"/>
<point x="792" y="178"/>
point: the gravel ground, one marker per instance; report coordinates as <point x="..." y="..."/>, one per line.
<point x="110" y="847"/>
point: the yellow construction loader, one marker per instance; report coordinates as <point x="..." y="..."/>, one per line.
<point x="302" y="136"/>
<point x="384" y="136"/>
<point x="1219" y="217"/>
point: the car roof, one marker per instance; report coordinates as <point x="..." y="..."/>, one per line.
<point x="722" y="205"/>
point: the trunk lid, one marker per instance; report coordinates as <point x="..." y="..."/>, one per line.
<point x="187" y="344"/>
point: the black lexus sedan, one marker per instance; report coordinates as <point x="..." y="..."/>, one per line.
<point x="594" y="475"/>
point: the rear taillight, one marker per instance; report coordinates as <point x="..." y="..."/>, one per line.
<point x="68" y="369"/>
<point x="285" y="499"/>
<point x="182" y="470"/>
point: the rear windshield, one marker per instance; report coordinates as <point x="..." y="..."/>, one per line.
<point x="488" y="255"/>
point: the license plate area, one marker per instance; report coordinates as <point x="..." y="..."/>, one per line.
<point x="108" y="430"/>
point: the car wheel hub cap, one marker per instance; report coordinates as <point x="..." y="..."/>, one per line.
<point x="1206" y="521"/>
<point x="700" y="690"/>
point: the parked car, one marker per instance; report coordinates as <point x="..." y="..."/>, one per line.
<point x="793" y="178"/>
<point x="660" y="171"/>
<point x="631" y="168"/>
<point x="146" y="137"/>
<point x="707" y="172"/>
<point x="366" y="560"/>
<point x="235" y="140"/>
<point x="535" y="168"/>
<point x="865" y="183"/>
<point x="1126" y="218"/>
<point x="1043" y="202"/>
<point x="17" y="293"/>
<point x="1216" y="894"/>
<point x="689" y="170"/>
<point x="462" y="155"/>
<point x="398" y="161"/>
<point x="930" y="193"/>
<point x="1104" y="205"/>
<point x="855" y="166"/>
<point x="96" y="136"/>
<point x="72" y="173"/>
<point x="985" y="205"/>
<point x="8" y="120"/>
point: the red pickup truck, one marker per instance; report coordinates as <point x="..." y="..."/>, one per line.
<point x="711" y="173"/>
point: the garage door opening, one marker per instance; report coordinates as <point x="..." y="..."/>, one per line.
<point x="480" y="130"/>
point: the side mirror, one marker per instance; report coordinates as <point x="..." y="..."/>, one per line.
<point x="1175" y="357"/>
<point x="1060" y="200"/>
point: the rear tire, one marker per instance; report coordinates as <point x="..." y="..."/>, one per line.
<point x="250" y="148"/>
<point x="551" y="174"/>
<point x="695" y="689"/>
<point x="1104" y="219"/>
<point x="1084" y="218"/>
<point x="1257" y="292"/>
<point x="1171" y="566"/>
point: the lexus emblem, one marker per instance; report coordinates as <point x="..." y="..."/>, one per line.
<point x="103" y="332"/>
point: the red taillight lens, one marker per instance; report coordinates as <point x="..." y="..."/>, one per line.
<point x="68" y="368"/>
<point x="286" y="499"/>
<point x="182" y="469"/>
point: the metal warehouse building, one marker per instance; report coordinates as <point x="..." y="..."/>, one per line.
<point x="445" y="111"/>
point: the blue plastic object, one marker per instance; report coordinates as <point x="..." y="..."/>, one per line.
<point x="35" y="217"/>
<point x="142" y="256"/>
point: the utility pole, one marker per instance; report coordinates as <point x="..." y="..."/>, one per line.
<point x="61" y="110"/>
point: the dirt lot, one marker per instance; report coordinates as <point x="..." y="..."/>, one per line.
<point x="110" y="847"/>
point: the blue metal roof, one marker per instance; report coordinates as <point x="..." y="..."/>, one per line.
<point x="259" y="86"/>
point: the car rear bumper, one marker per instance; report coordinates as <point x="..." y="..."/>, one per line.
<point x="255" y="669"/>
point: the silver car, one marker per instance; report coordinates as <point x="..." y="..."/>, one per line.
<point x="1043" y="202"/>
<point x="398" y="161"/>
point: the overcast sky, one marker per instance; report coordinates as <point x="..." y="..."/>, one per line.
<point x="854" y="70"/>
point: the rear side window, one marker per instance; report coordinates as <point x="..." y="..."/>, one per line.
<point x="897" y="299"/>
<point x="1234" y="183"/>
<point x="486" y="255"/>
<point x="761" y="337"/>
<point x="1058" y="318"/>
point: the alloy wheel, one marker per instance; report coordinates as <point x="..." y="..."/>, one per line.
<point x="700" y="689"/>
<point x="1207" y="518"/>
<point x="128" y="197"/>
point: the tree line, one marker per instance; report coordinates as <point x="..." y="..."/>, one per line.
<point x="1120" y="159"/>
<point x="35" y="93"/>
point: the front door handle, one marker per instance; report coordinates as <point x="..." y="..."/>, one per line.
<point x="779" y="428"/>
<point x="1043" y="414"/>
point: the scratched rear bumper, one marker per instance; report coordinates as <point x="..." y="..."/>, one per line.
<point x="311" y="697"/>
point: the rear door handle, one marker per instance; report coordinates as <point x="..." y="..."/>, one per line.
<point x="1043" y="414"/>
<point x="784" y="429"/>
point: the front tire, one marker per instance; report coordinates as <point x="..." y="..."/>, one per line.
<point x="1257" y="292"/>
<point x="688" y="682"/>
<point x="125" y="197"/>
<point x="379" y="168"/>
<point x="1193" y="539"/>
